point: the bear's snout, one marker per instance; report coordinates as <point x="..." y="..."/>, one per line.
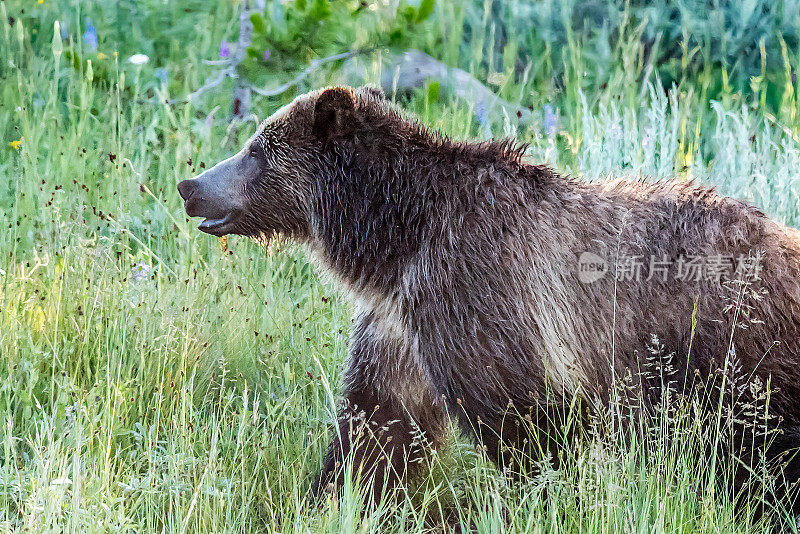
<point x="187" y="188"/>
<point x="215" y="195"/>
<point x="195" y="202"/>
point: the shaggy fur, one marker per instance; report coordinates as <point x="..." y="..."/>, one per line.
<point x="462" y="261"/>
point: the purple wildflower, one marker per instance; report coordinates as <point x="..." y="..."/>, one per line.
<point x="550" y="121"/>
<point x="267" y="54"/>
<point x="90" y="36"/>
<point x="224" y="49"/>
<point x="140" y="271"/>
<point x="64" y="29"/>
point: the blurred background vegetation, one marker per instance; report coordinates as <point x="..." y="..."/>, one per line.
<point x="150" y="381"/>
<point x="536" y="52"/>
<point x="558" y="59"/>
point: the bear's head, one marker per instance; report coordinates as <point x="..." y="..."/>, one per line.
<point x="266" y="187"/>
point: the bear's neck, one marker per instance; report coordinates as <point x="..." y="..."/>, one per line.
<point x="367" y="225"/>
<point x="373" y="215"/>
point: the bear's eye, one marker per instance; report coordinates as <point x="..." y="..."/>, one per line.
<point x="253" y="151"/>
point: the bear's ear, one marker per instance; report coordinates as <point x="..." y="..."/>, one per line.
<point x="335" y="114"/>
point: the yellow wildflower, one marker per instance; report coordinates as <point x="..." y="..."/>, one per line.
<point x="15" y="144"/>
<point x="101" y="55"/>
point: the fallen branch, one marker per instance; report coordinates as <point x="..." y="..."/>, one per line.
<point x="404" y="71"/>
<point x="210" y="84"/>
<point x="397" y="71"/>
<point x="241" y="92"/>
<point x="313" y="66"/>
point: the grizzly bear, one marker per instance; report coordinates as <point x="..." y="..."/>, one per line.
<point x="497" y="292"/>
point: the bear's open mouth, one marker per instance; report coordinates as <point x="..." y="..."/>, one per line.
<point x="219" y="227"/>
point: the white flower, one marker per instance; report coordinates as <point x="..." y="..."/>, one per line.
<point x="138" y="59"/>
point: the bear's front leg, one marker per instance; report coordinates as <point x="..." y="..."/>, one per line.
<point x="389" y="420"/>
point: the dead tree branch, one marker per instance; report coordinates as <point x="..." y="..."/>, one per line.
<point x="313" y="66"/>
<point x="404" y="71"/>
<point x="397" y="72"/>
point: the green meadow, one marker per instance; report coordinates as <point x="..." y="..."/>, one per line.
<point x="153" y="380"/>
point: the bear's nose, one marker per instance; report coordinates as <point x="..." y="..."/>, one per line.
<point x="187" y="188"/>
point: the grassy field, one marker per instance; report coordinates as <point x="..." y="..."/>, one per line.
<point x="151" y="381"/>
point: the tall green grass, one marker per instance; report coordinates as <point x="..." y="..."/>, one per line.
<point x="150" y="381"/>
